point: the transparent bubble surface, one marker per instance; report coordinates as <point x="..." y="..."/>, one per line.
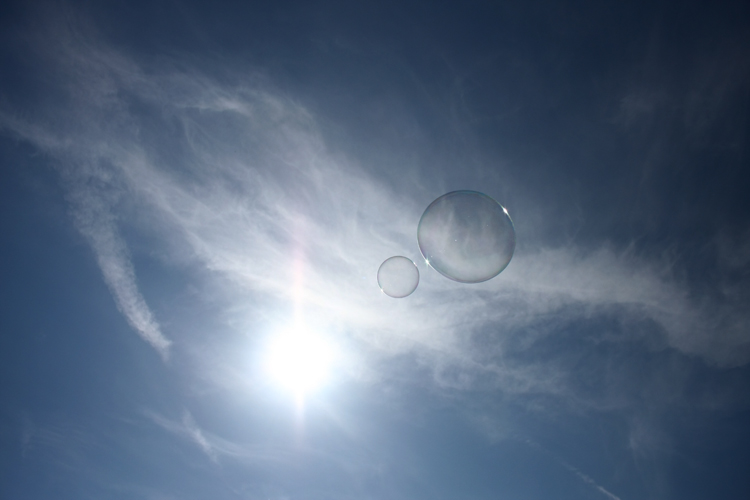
<point x="466" y="236"/>
<point x="398" y="277"/>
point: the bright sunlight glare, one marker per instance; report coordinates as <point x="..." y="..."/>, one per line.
<point x="299" y="360"/>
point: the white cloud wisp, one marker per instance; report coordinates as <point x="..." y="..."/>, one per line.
<point x="238" y="179"/>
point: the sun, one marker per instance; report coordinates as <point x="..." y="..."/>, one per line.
<point x="299" y="360"/>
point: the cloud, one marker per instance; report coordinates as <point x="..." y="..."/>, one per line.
<point x="279" y="463"/>
<point x="216" y="447"/>
<point x="235" y="177"/>
<point x="60" y="446"/>
<point x="187" y="428"/>
<point x="95" y="221"/>
<point x="585" y="478"/>
<point x="92" y="194"/>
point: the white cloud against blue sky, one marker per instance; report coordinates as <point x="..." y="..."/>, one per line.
<point x="237" y="181"/>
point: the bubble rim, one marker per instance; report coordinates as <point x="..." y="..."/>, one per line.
<point x="377" y="277"/>
<point x="466" y="191"/>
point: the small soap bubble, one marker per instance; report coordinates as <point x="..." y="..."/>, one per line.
<point x="466" y="236"/>
<point x="398" y="277"/>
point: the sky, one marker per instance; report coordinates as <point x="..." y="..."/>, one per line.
<point x="195" y="200"/>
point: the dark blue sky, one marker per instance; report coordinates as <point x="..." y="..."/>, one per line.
<point x="191" y="191"/>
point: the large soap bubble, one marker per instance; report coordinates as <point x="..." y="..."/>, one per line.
<point x="398" y="277"/>
<point x="466" y="236"/>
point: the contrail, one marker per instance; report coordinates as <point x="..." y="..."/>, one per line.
<point x="586" y="479"/>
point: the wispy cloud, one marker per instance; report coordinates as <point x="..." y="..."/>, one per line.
<point x="93" y="195"/>
<point x="237" y="178"/>
<point x="187" y="428"/>
<point x="585" y="478"/>
<point x="216" y="447"/>
<point x="279" y="460"/>
<point x="590" y="481"/>
<point x="95" y="221"/>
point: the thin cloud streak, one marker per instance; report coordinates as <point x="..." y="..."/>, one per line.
<point x="92" y="211"/>
<point x="272" y="457"/>
<point x="187" y="428"/>
<point x="94" y="221"/>
<point x="590" y="481"/>
<point x="586" y="479"/>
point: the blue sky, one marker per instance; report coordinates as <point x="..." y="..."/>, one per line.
<point x="185" y="186"/>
